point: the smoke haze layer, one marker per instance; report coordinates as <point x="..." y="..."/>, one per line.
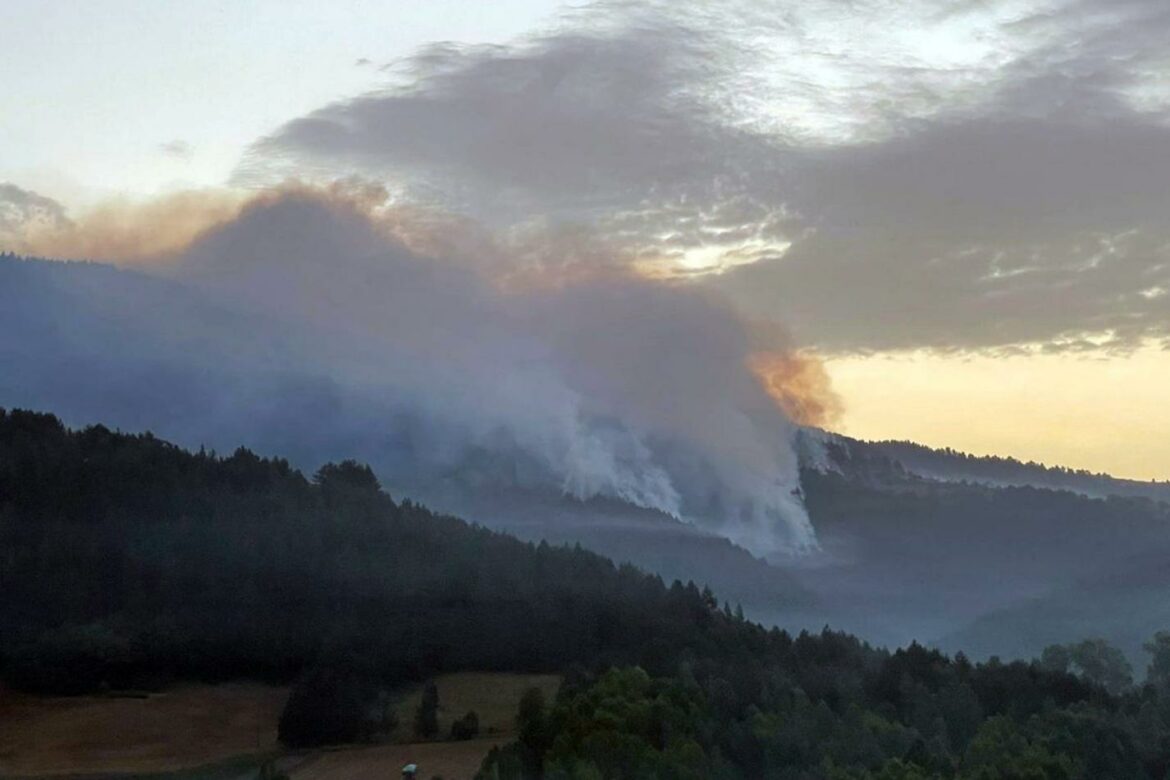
<point x="325" y="322"/>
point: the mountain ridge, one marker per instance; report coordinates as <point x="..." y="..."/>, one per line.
<point x="821" y="450"/>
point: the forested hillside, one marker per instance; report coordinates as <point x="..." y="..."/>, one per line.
<point x="950" y="562"/>
<point x="950" y="464"/>
<point x="128" y="562"/>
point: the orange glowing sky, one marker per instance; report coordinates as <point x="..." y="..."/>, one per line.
<point x="1102" y="413"/>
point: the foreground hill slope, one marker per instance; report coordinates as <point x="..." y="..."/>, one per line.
<point x="128" y="562"/>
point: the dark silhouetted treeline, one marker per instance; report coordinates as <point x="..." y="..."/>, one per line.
<point x="128" y="562"/>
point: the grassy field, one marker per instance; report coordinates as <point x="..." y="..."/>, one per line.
<point x="449" y="760"/>
<point x="183" y="727"/>
<point x="495" y="699"/>
<point x="211" y="731"/>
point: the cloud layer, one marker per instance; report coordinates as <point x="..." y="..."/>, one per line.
<point x="950" y="175"/>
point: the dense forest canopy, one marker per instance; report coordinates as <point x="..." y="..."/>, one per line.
<point x="128" y="562"/>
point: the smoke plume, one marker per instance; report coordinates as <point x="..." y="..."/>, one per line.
<point x="534" y="358"/>
<point x="800" y="386"/>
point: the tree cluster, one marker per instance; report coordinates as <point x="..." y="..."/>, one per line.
<point x="827" y="707"/>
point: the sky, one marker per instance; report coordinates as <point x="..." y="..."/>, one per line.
<point x="961" y="207"/>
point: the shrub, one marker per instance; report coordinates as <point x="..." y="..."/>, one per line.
<point x="466" y="727"/>
<point x="327" y="707"/>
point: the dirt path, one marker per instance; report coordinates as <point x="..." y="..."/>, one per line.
<point x="451" y="760"/>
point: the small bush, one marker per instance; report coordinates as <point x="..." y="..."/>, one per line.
<point x="327" y="707"/>
<point x="466" y="727"/>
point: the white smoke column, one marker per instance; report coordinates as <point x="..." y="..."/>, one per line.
<point x="668" y="360"/>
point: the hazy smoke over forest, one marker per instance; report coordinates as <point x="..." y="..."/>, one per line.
<point x="570" y="269"/>
<point x="538" y="351"/>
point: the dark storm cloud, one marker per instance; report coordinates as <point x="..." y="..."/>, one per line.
<point x="571" y="120"/>
<point x="878" y="175"/>
<point x="1043" y="217"/>
<point x="979" y="235"/>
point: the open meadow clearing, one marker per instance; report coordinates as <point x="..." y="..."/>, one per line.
<point x="228" y="730"/>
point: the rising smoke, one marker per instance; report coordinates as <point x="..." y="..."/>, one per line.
<point x="533" y="359"/>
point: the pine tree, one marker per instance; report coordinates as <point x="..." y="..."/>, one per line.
<point x="426" y="718"/>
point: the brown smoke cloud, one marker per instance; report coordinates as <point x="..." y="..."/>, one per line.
<point x="799" y="384"/>
<point x="127" y="232"/>
<point x="155" y="231"/>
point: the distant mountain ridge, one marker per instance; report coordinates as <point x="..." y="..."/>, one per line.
<point x="822" y="450"/>
<point x="952" y="465"/>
